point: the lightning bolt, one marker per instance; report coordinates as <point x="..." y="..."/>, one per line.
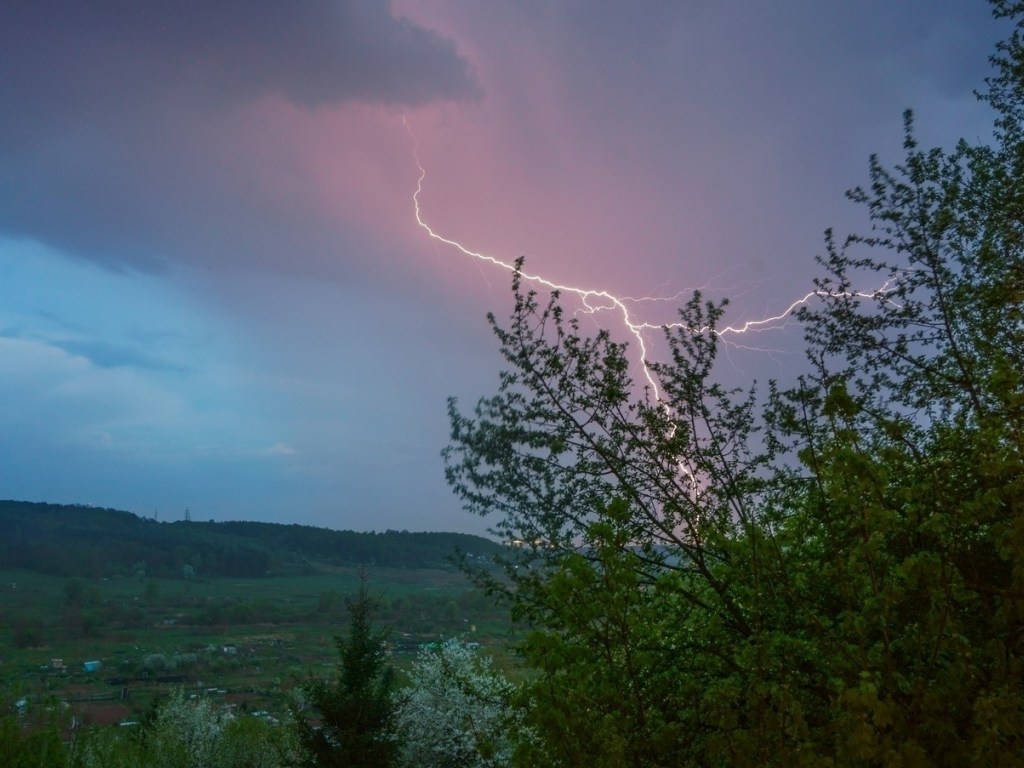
<point x="593" y="300"/>
<point x="597" y="300"/>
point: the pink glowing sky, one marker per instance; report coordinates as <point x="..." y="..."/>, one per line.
<point x="214" y="293"/>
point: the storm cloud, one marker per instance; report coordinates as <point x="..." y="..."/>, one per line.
<point x="122" y="119"/>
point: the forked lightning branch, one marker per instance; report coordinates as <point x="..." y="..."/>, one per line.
<point x="594" y="300"/>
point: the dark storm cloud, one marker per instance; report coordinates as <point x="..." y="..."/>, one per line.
<point x="661" y="52"/>
<point x="717" y="103"/>
<point x="65" y="60"/>
<point x="110" y="109"/>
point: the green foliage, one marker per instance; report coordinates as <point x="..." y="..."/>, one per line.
<point x="356" y="710"/>
<point x="249" y="742"/>
<point x="109" y="748"/>
<point x="598" y="621"/>
<point x="828" y="573"/>
<point x="30" y="745"/>
<point x="27" y="632"/>
<point x="184" y="732"/>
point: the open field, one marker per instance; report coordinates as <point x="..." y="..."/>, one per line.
<point x="247" y="640"/>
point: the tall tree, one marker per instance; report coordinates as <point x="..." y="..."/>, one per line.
<point x="831" y="572"/>
<point x="356" y="709"/>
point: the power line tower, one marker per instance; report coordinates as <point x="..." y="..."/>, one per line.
<point x="188" y="516"/>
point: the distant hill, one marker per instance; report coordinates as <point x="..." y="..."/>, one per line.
<point x="78" y="540"/>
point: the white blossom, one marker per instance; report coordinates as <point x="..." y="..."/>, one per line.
<point x="187" y="731"/>
<point x="456" y="711"/>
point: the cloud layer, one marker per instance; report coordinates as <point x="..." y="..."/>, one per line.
<point x="120" y="139"/>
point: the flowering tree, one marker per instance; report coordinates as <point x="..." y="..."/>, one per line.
<point x="456" y="711"/>
<point x="186" y="733"/>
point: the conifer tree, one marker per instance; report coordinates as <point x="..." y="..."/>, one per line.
<point x="356" y="710"/>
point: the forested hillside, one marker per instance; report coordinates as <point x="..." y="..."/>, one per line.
<point x="77" y="540"/>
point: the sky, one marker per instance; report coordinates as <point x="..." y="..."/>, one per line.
<point x="214" y="292"/>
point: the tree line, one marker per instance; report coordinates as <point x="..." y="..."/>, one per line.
<point x="91" y="542"/>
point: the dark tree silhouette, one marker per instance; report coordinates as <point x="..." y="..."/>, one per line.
<point x="356" y="710"/>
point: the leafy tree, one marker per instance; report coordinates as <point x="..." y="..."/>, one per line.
<point x="37" y="745"/>
<point x="27" y="632"/>
<point x="456" y="711"/>
<point x="829" y="572"/>
<point x="249" y="742"/>
<point x="186" y="733"/>
<point x="105" y="747"/>
<point x="356" y="709"/>
<point x="595" y="621"/>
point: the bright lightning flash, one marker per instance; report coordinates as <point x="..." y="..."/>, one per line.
<point x="594" y="300"/>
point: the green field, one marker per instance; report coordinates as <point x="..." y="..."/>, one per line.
<point x="248" y="640"/>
